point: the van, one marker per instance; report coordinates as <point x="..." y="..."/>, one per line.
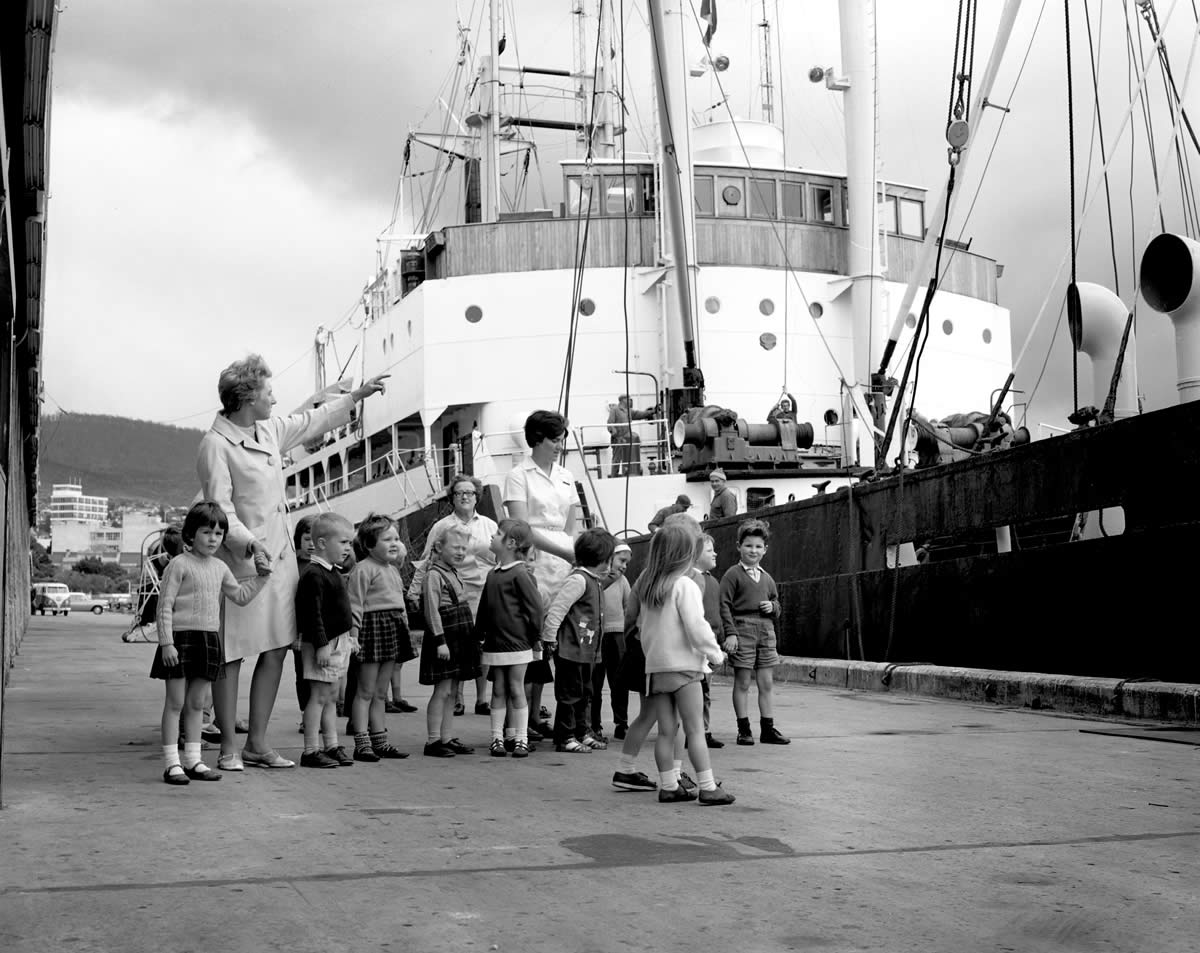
<point x="52" y="596"/>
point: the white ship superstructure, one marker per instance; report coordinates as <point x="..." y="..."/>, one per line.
<point x="477" y="324"/>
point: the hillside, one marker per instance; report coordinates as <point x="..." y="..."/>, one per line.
<point x="119" y="458"/>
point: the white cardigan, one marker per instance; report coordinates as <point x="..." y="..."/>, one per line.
<point x="677" y="638"/>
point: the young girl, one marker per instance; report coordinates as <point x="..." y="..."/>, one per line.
<point x="449" y="653"/>
<point x="679" y="645"/>
<point x="189" y="655"/>
<point x="539" y="672"/>
<point x="304" y="549"/>
<point x="508" y="625"/>
<point x="381" y="627"/>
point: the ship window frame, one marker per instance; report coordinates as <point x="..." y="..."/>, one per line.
<point x="757" y="194"/>
<point x="903" y="223"/>
<point x="890" y="214"/>
<point x="816" y="190"/>
<point x="649" y="191"/>
<point x="796" y="189"/>
<point x="702" y="186"/>
<point x="726" y="209"/>
<point x="628" y="185"/>
<point x="574" y="201"/>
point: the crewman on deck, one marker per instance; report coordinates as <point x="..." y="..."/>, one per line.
<point x="724" y="500"/>
<point x="626" y="445"/>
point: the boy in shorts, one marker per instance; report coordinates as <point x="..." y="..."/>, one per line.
<point x="324" y="619"/>
<point x="749" y="606"/>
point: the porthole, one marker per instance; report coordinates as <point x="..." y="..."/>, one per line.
<point x="987" y="335"/>
<point x="474" y="314"/>
<point x="731" y="195"/>
<point x="712" y="305"/>
<point x="947" y="326"/>
<point x="816" y="309"/>
<point x="587" y="307"/>
<point x="910" y="321"/>
<point x="766" y="307"/>
<point x="766" y="341"/>
<point x="831" y="418"/>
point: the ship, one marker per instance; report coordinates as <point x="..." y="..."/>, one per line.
<point x="761" y="328"/>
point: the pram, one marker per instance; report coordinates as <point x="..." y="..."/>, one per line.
<point x="158" y="549"/>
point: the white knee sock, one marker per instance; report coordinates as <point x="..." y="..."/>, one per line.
<point x="497" y="722"/>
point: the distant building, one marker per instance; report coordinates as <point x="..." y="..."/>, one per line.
<point x="68" y="504"/>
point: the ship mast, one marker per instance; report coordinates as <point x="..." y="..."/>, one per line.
<point x="489" y="141"/>
<point x="766" y="84"/>
<point x="685" y="385"/>
<point x="858" y="86"/>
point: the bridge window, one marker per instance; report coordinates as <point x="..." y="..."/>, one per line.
<point x="793" y="201"/>
<point x="732" y="191"/>
<point x="649" y="194"/>
<point x="762" y="198"/>
<point x="620" y="195"/>
<point x="887" y="213"/>
<point x="704" y="195"/>
<point x="822" y="203"/>
<point x="579" y="195"/>
<point x="912" y="218"/>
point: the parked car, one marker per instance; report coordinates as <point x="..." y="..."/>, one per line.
<point x="82" y="602"/>
<point x="119" y="601"/>
<point x="52" y="597"/>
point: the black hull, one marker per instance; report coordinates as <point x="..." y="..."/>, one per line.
<point x="1116" y="606"/>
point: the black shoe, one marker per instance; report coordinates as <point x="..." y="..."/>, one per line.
<point x="772" y="736"/>
<point x="712" y="742"/>
<point x="317" y="759"/>
<point x="436" y="749"/>
<point x="208" y="774"/>
<point x="399" y="707"/>
<point x="680" y="793"/>
<point x="745" y="738"/>
<point x="483" y="708"/>
<point x="498" y="748"/>
<point x="388" y="750"/>
<point x="458" y="747"/>
<point x="633" y="781"/>
<point x="544" y="713"/>
<point x="534" y="734"/>
<point x="619" y="733"/>
<point x="176" y="775"/>
<point x="686" y="782"/>
<point x="716" y="797"/>
<point x="460" y="708"/>
<point x="213" y="735"/>
<point x="366" y="754"/>
<point x="521" y="749"/>
<point x="545" y="729"/>
<point x="338" y="753"/>
<point x="405" y="706"/>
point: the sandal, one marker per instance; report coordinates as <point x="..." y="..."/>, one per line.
<point x="176" y="775"/>
<point x="573" y="747"/>
<point x="230" y="762"/>
<point x="202" y="772"/>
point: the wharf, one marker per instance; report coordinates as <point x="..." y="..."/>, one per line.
<point x="892" y="822"/>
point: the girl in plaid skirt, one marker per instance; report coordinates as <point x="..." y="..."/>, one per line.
<point x="189" y="655"/>
<point x="381" y="627"/>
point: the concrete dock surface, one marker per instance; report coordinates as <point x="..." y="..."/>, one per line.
<point x="889" y="824"/>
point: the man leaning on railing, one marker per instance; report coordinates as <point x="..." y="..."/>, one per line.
<point x="626" y="445"/>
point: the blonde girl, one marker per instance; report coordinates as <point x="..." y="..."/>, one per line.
<point x="679" y="645"/>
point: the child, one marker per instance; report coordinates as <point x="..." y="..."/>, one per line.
<point x="508" y="625"/>
<point x="574" y="623"/>
<point x="539" y="673"/>
<point x="679" y="645"/>
<point x="304" y="547"/>
<point x="612" y="648"/>
<point x="749" y="603"/>
<point x="380" y="627"/>
<point x="710" y="591"/>
<point x="449" y="654"/>
<point x="324" y="620"/>
<point x="189" y="655"/>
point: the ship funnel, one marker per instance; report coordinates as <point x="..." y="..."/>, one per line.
<point x="1097" y="321"/>
<point x="1169" y="276"/>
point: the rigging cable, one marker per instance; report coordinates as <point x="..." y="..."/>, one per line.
<point x="1071" y="164"/>
<point x="1112" y="237"/>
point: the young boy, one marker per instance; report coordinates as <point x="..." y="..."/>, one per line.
<point x="749" y="604"/>
<point x="612" y="648"/>
<point x="323" y="618"/>
<point x="710" y="590"/>
<point x="575" y="623"/>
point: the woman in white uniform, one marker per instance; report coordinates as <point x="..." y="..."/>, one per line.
<point x="542" y="492"/>
<point x="240" y="467"/>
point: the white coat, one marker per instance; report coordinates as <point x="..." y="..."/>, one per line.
<point x="245" y="476"/>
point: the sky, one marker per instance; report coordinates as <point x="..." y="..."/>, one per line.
<point x="219" y="171"/>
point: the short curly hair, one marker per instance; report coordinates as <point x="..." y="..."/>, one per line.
<point x="753" y="527"/>
<point x="464" y="478"/>
<point x="240" y="383"/>
<point x="543" y="424"/>
<point x="371" y="528"/>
